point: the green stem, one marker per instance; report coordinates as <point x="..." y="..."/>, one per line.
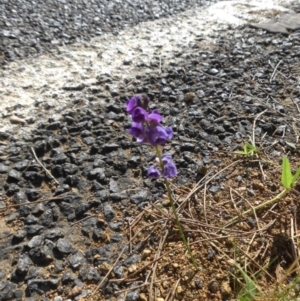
<point x="184" y="240"/>
<point x="262" y="205"/>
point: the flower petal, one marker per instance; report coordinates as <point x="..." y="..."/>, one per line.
<point x="154" y="118"/>
<point x="133" y="102"/>
<point x="170" y="170"/>
<point x="145" y="137"/>
<point x="139" y="115"/>
<point x="137" y="130"/>
<point x="153" y="172"/>
<point x="169" y="132"/>
<point x="166" y="159"/>
<point x="158" y="135"/>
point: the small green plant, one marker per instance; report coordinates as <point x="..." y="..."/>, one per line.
<point x="249" y="149"/>
<point x="287" y="178"/>
<point x="250" y="290"/>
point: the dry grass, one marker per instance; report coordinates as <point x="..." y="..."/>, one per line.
<point x="241" y="256"/>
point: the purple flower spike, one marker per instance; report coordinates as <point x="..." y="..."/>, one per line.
<point x="139" y="115"/>
<point x="153" y="172"/>
<point x="170" y="170"/>
<point x="133" y="103"/>
<point x="159" y="135"/>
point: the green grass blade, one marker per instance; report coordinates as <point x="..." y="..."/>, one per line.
<point x="251" y="149"/>
<point x="286" y="175"/>
<point x="240" y="152"/>
<point x="245" y="298"/>
<point x="295" y="176"/>
<point x="250" y="287"/>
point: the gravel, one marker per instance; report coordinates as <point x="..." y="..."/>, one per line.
<point x="29" y="28"/>
<point x="209" y="79"/>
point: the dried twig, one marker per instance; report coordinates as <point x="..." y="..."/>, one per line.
<point x="32" y="203"/>
<point x="142" y="285"/>
<point x="46" y="170"/>
<point x="293" y="247"/>
<point x="296" y="104"/>
<point x="136" y="220"/>
<point x="140" y="270"/>
<point x="130" y="238"/>
<point x="262" y="171"/>
<point x="260" y="206"/>
<point x="233" y="202"/>
<point x="254" y="212"/>
<point x="254" y="124"/>
<point x="249" y="246"/>
<point x="107" y="274"/>
<point x="200" y="185"/>
<point x="273" y="74"/>
<point x="160" y="247"/>
<point x="204" y="202"/>
<point x="174" y="290"/>
<point x="90" y="216"/>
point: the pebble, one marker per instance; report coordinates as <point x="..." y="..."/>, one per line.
<point x="76" y="260"/>
<point x="14" y="175"/>
<point x="108" y="212"/>
<point x="141" y="196"/>
<point x="131" y="260"/>
<point x="36" y="241"/>
<point x="23" y="264"/>
<point x="41" y="286"/>
<point x="213" y="286"/>
<point x="63" y="246"/>
<point x="133" y="295"/>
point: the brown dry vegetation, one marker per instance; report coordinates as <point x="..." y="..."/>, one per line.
<point x="225" y="241"/>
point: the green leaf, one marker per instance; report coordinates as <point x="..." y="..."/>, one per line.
<point x="251" y="148"/>
<point x="248" y="149"/>
<point x="240" y="152"/>
<point x="286" y="175"/>
<point x="245" y="298"/>
<point x="295" y="176"/>
<point x="250" y="287"/>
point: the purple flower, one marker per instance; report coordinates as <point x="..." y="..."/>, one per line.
<point x="154" y="118"/>
<point x="169" y="132"/>
<point x="139" y="100"/>
<point x="159" y="135"/>
<point x="138" y="131"/>
<point x="166" y="159"/>
<point x="170" y="170"/>
<point x="153" y="172"/>
<point x="133" y="103"/>
<point x="139" y="115"/>
<point x="146" y="128"/>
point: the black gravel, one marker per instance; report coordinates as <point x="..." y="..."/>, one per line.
<point x="29" y="28"/>
<point x="210" y="98"/>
